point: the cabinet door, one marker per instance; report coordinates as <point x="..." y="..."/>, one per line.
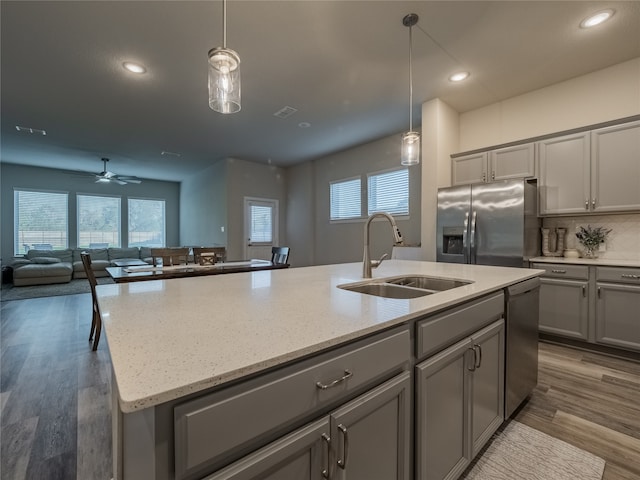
<point x="301" y="455"/>
<point x="617" y="319"/>
<point x="487" y="387"/>
<point x="469" y="169"/>
<point x="615" y="173"/>
<point x="512" y="162"/>
<point x="564" y="307"/>
<point x="442" y="413"/>
<point x="564" y="174"/>
<point x="371" y="436"/>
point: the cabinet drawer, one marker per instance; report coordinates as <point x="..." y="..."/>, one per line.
<point x="557" y="270"/>
<point x="440" y="331"/>
<point x="618" y="275"/>
<point x="211" y="429"/>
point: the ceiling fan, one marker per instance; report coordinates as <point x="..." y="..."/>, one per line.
<point x="109" y="177"/>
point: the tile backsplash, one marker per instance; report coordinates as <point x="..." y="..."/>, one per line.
<point x="623" y="243"/>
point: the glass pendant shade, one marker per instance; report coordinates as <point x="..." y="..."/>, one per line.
<point x="410" y="148"/>
<point x="224" y="80"/>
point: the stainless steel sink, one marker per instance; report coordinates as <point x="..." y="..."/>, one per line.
<point x="411" y="286"/>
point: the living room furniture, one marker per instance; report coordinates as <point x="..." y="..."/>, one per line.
<point x="280" y="254"/>
<point x="96" y="321"/>
<point x="169" y="256"/>
<point x="219" y="255"/>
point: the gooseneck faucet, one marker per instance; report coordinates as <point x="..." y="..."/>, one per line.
<point x="368" y="264"/>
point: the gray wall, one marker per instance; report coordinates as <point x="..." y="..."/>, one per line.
<point x="323" y="242"/>
<point x="203" y="207"/>
<point x="17" y="176"/>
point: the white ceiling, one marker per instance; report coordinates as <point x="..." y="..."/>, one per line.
<point x="343" y="64"/>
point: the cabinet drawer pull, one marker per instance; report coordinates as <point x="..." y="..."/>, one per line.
<point x="324" y="386"/>
<point x="599" y="294"/>
<point x="472" y="367"/>
<point x="327" y="440"/>
<point x="593" y="203"/>
<point x="342" y="463"/>
<point x="584" y="290"/>
<point x="493" y="175"/>
<point x="586" y="204"/>
<point x="630" y="275"/>
<point x="558" y="271"/>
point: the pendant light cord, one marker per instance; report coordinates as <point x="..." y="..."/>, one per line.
<point x="224" y="23"/>
<point x="410" y="79"/>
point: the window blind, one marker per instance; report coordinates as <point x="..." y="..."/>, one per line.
<point x="98" y="221"/>
<point x="389" y="192"/>
<point x="146" y="223"/>
<point x="41" y="221"/>
<point x="261" y="224"/>
<point x="345" y="198"/>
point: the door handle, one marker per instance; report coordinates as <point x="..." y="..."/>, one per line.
<point x="464" y="237"/>
<point x="478" y="358"/>
<point x="473" y="252"/>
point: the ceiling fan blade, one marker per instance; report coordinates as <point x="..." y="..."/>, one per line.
<point x="130" y="179"/>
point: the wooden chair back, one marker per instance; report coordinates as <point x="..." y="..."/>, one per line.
<point x="170" y="256"/>
<point x="280" y="255"/>
<point x="220" y="255"/>
<point x="96" y="321"/>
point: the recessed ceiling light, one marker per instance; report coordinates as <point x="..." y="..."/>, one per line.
<point x="458" y="77"/>
<point x="134" y="67"/>
<point x="597" y="18"/>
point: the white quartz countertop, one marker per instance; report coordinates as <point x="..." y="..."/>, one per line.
<point x="170" y="338"/>
<point x="600" y="262"/>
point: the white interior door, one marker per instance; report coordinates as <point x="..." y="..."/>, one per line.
<point x="261" y="227"/>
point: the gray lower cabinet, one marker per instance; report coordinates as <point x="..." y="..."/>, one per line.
<point x="564" y="308"/>
<point x="459" y="403"/>
<point x="617" y="307"/>
<point x="564" y="300"/>
<point x="369" y="437"/>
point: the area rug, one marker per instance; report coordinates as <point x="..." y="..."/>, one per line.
<point x="519" y="452"/>
<point x="80" y="285"/>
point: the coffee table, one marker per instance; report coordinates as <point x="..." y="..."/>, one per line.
<point x="129" y="263"/>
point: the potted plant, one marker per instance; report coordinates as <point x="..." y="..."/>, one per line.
<point x="591" y="238"/>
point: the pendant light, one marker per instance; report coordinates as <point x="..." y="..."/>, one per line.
<point x="224" y="74"/>
<point x="410" y="140"/>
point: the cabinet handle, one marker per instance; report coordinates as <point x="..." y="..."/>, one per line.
<point x="484" y="177"/>
<point x="472" y="368"/>
<point x="493" y="175"/>
<point x="586" y="204"/>
<point x="584" y="290"/>
<point x="327" y="440"/>
<point x="558" y="271"/>
<point x="345" y="446"/>
<point x="599" y="295"/>
<point x="630" y="275"/>
<point x="593" y="203"/>
<point x="324" y="386"/>
<point x="478" y="358"/>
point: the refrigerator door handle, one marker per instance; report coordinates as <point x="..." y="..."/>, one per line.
<point x="473" y="237"/>
<point x="465" y="247"/>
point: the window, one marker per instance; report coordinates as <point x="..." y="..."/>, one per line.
<point x="345" y="198"/>
<point x="389" y="192"/>
<point x="41" y="221"/>
<point x="261" y="219"/>
<point x="146" y="223"/>
<point x="98" y="221"/>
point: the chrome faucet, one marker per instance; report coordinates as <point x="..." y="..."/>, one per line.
<point x="368" y="264"/>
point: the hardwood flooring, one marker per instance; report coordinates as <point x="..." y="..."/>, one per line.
<point x="591" y="401"/>
<point x="55" y="398"/>
<point x="55" y="416"/>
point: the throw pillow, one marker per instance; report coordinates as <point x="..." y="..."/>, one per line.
<point x="45" y="260"/>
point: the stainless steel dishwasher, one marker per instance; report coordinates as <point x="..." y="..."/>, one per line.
<point x="522" y="312"/>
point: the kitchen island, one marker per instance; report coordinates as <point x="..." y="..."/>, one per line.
<point x="176" y="345"/>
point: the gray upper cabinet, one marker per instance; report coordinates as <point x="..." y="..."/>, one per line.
<point x="615" y="167"/>
<point x="591" y="172"/>
<point x="564" y="176"/>
<point x="469" y="169"/>
<point x="517" y="161"/>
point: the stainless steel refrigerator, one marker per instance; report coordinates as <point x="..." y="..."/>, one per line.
<point x="488" y="224"/>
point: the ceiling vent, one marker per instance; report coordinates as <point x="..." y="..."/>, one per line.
<point x="171" y="154"/>
<point x="285" y="112"/>
<point x="30" y="130"/>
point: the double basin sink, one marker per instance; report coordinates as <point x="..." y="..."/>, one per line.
<point x="411" y="286"/>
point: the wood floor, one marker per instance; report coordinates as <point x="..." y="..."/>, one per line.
<point x="55" y="402"/>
